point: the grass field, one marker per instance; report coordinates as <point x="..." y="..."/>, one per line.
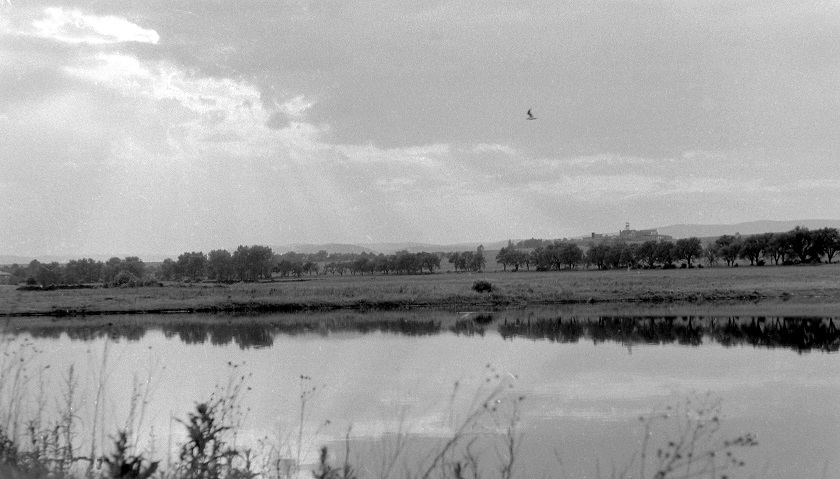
<point x="818" y="285"/>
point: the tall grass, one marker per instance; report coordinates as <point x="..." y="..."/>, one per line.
<point x="484" y="439"/>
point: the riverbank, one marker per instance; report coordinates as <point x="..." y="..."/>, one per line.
<point x="816" y="286"/>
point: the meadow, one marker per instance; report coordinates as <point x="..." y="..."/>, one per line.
<point x="795" y="289"/>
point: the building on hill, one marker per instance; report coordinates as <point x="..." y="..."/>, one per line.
<point x="5" y="278"/>
<point x="642" y="235"/>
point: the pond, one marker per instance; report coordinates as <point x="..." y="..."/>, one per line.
<point x="584" y="391"/>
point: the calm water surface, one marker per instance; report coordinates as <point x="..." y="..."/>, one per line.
<point x="585" y="380"/>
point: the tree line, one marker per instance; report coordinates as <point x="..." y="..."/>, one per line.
<point x="259" y="262"/>
<point x="607" y="254"/>
<point x="254" y="263"/>
<point x="128" y="271"/>
<point x="797" y="246"/>
<point x="246" y="263"/>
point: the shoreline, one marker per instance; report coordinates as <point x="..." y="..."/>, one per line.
<point x="495" y="304"/>
<point x="795" y="287"/>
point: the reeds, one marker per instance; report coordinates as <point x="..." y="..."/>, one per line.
<point x="484" y="439"/>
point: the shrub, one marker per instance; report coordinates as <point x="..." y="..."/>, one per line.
<point x="209" y="452"/>
<point x="325" y="471"/>
<point x="124" y="278"/>
<point x="121" y="464"/>
<point x="482" y="286"/>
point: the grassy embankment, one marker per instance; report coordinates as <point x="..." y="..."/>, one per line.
<point x="816" y="286"/>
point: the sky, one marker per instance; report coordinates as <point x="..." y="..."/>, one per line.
<point x="186" y="125"/>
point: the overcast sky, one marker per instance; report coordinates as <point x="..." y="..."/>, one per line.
<point x="176" y="125"/>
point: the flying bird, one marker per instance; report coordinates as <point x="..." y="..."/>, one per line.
<point x="530" y="116"/>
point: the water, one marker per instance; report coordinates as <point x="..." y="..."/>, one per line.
<point x="586" y="381"/>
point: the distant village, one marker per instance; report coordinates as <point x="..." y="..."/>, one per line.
<point x="629" y="235"/>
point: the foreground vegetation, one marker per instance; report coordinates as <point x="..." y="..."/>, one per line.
<point x="49" y="436"/>
<point x="818" y="283"/>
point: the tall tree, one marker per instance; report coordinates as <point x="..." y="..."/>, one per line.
<point x="801" y="242"/>
<point x="728" y="248"/>
<point x="666" y="253"/>
<point x="711" y="254"/>
<point x="82" y="271"/>
<point x="50" y="274"/>
<point x="778" y="248"/>
<point x="192" y="265"/>
<point x="252" y="262"/>
<point x="518" y="258"/>
<point x="455" y="260"/>
<point x="168" y="270"/>
<point x="754" y="248"/>
<point x="688" y="249"/>
<point x="647" y="253"/>
<point x="220" y="265"/>
<point x="502" y="257"/>
<point x="597" y="254"/>
<point x="828" y="240"/>
<point x="429" y="261"/>
<point x="478" y="261"/>
<point x="570" y="254"/>
<point x="134" y="266"/>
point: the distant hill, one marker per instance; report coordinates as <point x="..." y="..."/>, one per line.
<point x="24" y="260"/>
<point x="308" y="248"/>
<point x="305" y="248"/>
<point x="749" y="228"/>
<point x="385" y="248"/>
<point x="390" y="248"/>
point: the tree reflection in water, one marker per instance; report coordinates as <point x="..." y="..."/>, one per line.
<point x="800" y="334"/>
<point x="797" y="333"/>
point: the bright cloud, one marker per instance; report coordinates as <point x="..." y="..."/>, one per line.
<point x="216" y="113"/>
<point x="72" y="26"/>
<point x="161" y="81"/>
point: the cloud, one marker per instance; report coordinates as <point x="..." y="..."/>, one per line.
<point x="601" y="159"/>
<point x="74" y="27"/>
<point x="161" y="80"/>
<point x="295" y="107"/>
<point x="429" y="156"/>
<point x="611" y="188"/>
<point x="494" y="148"/>
<point x="203" y="111"/>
